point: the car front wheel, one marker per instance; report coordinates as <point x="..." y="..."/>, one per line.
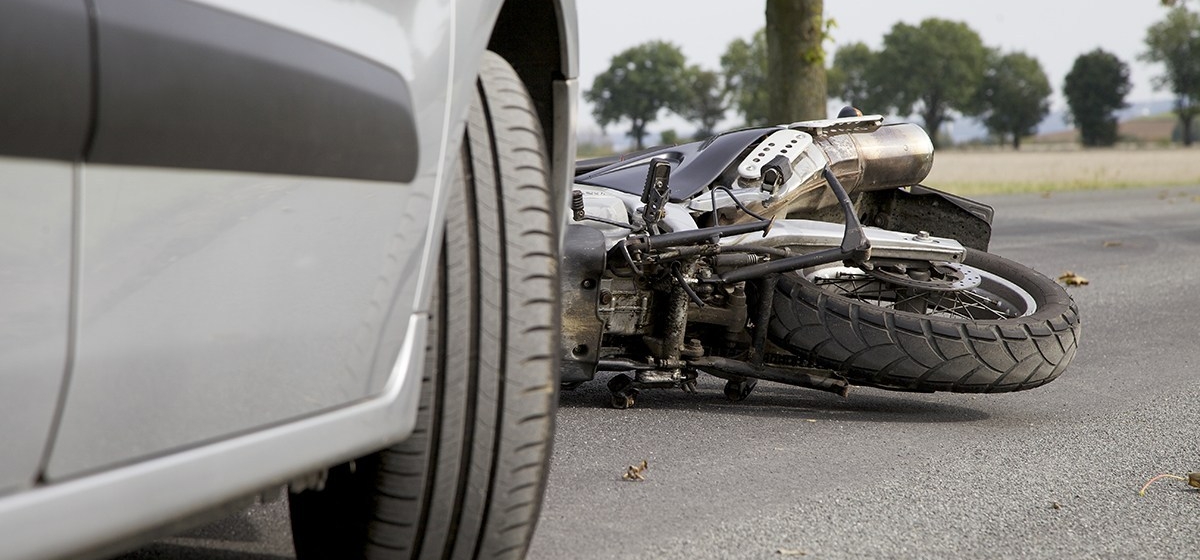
<point x="468" y="483"/>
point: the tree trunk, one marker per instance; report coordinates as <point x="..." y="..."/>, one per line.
<point x="638" y="131"/>
<point x="1016" y="140"/>
<point x="1186" y="109"/>
<point x="795" y="60"/>
<point x="933" y="121"/>
<point x="933" y="113"/>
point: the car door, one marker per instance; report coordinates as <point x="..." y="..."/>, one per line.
<point x="253" y="213"/>
<point x="44" y="92"/>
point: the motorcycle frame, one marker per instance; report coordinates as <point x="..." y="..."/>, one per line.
<point x="586" y="293"/>
<point x="585" y="259"/>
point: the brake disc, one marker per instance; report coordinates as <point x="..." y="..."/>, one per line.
<point x="945" y="277"/>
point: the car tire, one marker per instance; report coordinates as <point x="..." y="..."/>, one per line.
<point x="468" y="482"/>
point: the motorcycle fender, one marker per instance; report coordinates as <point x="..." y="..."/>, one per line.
<point x="921" y="208"/>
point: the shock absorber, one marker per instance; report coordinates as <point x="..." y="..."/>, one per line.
<point x="577" y="205"/>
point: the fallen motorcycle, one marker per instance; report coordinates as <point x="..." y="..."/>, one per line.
<point x="806" y="254"/>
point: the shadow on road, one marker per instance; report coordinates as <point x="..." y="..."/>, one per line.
<point x="161" y="551"/>
<point x="235" y="528"/>
<point x="773" y="400"/>
<point x="259" y="532"/>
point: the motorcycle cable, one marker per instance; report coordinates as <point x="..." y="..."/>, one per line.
<point x="646" y="243"/>
<point x="854" y="246"/>
<point x="678" y="274"/>
<point x="654" y="196"/>
<point x="734" y="197"/>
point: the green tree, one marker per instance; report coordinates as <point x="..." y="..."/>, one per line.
<point x="1095" y="87"/>
<point x="706" y="103"/>
<point x="1175" y="42"/>
<point x="1014" y="96"/>
<point x="640" y="82"/>
<point x="932" y="68"/>
<point x="852" y="77"/>
<point x="744" y="65"/>
<point x="795" y="33"/>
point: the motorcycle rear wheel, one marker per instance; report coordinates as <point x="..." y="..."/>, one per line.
<point x="1020" y="329"/>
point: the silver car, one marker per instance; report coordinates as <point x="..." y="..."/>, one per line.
<point x="248" y="243"/>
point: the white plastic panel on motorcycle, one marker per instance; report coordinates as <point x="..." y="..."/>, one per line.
<point x="787" y="143"/>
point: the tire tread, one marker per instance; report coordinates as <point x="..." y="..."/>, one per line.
<point x="922" y="353"/>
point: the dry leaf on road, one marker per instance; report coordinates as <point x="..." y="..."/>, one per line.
<point x="634" y="472"/>
<point x="1071" y="279"/>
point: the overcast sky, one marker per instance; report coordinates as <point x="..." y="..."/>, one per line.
<point x="1053" y="31"/>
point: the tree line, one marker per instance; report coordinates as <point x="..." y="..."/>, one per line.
<point x="937" y="70"/>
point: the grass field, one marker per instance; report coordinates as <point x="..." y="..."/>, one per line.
<point x="987" y="172"/>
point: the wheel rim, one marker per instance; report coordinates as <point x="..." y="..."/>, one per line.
<point x="963" y="291"/>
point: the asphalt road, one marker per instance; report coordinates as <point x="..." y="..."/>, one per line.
<point x="789" y="473"/>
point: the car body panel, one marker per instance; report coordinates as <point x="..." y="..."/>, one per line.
<point x="44" y="114"/>
<point x="35" y="289"/>
<point x="186" y="85"/>
<point x="80" y="517"/>
<point x="215" y="302"/>
<point x="226" y="328"/>
<point x="47" y="109"/>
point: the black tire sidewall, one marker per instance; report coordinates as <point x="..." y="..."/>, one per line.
<point x="469" y="481"/>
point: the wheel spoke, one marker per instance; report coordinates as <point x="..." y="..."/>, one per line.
<point x="972" y="303"/>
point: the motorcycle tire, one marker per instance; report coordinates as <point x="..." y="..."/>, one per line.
<point x="468" y="482"/>
<point x="872" y="344"/>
